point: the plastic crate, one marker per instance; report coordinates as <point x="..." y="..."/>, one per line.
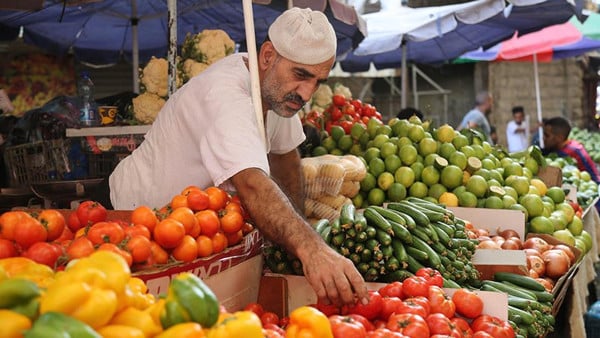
<point x="40" y="161"/>
<point x="101" y="165"/>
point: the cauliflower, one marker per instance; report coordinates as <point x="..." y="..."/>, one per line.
<point x="155" y="76"/>
<point x="192" y="68"/>
<point x="340" y="89"/>
<point x="208" y="46"/>
<point x="146" y="106"/>
<point x="322" y="96"/>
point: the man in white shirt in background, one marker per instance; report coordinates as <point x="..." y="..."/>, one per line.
<point x="516" y="131"/>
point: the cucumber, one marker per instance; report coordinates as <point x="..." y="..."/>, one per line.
<point x="374" y="218"/>
<point x="384" y="238"/>
<point x="410" y="222"/>
<point x="525" y="316"/>
<point x="320" y="225"/>
<point x="431" y="232"/>
<point x="392" y="264"/>
<point x="420" y="233"/>
<point x="347" y="213"/>
<point x="366" y="255"/>
<point x="336" y="227"/>
<point x="389" y="214"/>
<point x="360" y="222"/>
<point x="417" y="254"/>
<point x="510" y="290"/>
<point x="545" y="296"/>
<point x="419" y="217"/>
<point x="520" y="280"/>
<point x="449" y="229"/>
<point x="398" y="275"/>
<point x="413" y="264"/>
<point x="371" y="232"/>
<point x="442" y="235"/>
<point x="326" y="234"/>
<point x="401" y="232"/>
<point x="387" y="251"/>
<point x="434" y="259"/>
<point x="361" y="236"/>
<point x="522" y="303"/>
<point x="400" y="252"/>
<point x="449" y="283"/>
<point x="433" y="216"/>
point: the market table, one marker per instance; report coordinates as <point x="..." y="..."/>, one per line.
<point x="576" y="301"/>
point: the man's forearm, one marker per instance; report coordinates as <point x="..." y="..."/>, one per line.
<point x="287" y="172"/>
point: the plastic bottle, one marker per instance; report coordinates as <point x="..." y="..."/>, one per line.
<point x="88" y="109"/>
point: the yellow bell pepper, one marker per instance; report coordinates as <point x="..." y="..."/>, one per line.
<point x="114" y="266"/>
<point x="306" y="322"/>
<point x="139" y="319"/>
<point x="21" y="267"/>
<point x="120" y="331"/>
<point x="13" y="324"/>
<point x="135" y="295"/>
<point x="238" y="324"/>
<point x="184" y="330"/>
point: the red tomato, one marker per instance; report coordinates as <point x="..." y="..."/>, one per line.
<point x="256" y="308"/>
<point x="106" y="232"/>
<point x="393" y="289"/>
<point x="482" y="334"/>
<point x="364" y="321"/>
<point x="269" y="317"/>
<point x="80" y="247"/>
<point x="66" y="235"/>
<point x="368" y="110"/>
<point x="44" y="253"/>
<point x="273" y="331"/>
<point x="409" y="324"/>
<point x="284" y="321"/>
<point x="494" y="326"/>
<point x="90" y="212"/>
<point x="462" y="326"/>
<point x="7" y="249"/>
<point x="415" y="286"/>
<point x="54" y="222"/>
<point x="327" y="309"/>
<point x="338" y="100"/>
<point x="335" y="114"/>
<point x="390" y="305"/>
<point x="346" y="327"/>
<point x="370" y="310"/>
<point x="357" y="104"/>
<point x="468" y="303"/>
<point x="73" y="222"/>
<point x="29" y="232"/>
<point x="432" y="276"/>
<point x="384" y="333"/>
<point x="440" y="324"/>
<point x="412" y="306"/>
<point x="440" y="303"/>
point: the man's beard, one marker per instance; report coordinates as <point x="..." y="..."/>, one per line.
<point x="270" y="94"/>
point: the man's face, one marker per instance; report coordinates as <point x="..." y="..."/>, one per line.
<point x="518" y="117"/>
<point x="552" y="141"/>
<point x="287" y="86"/>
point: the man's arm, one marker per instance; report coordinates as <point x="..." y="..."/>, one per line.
<point x="287" y="172"/>
<point x="278" y="220"/>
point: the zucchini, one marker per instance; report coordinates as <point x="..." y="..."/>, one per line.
<point x="442" y="235"/>
<point x="401" y="232"/>
<point x="510" y="290"/>
<point x="326" y="234"/>
<point x="525" y="316"/>
<point x="434" y="259"/>
<point x="392" y="264"/>
<point x="384" y="238"/>
<point x="419" y="217"/>
<point x="433" y="216"/>
<point x="545" y="296"/>
<point x="398" y="275"/>
<point x="389" y="214"/>
<point x="417" y="254"/>
<point x="449" y="283"/>
<point x="347" y="214"/>
<point x="449" y="229"/>
<point x="410" y="222"/>
<point x="320" y="225"/>
<point x="420" y="233"/>
<point x="413" y="264"/>
<point x="374" y="218"/>
<point x="399" y="251"/>
<point x="336" y="227"/>
<point x="360" y="222"/>
<point x="387" y="251"/>
<point x="520" y="280"/>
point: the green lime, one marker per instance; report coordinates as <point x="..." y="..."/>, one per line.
<point x="358" y="200"/>
<point x="467" y="150"/>
<point x="385" y="180"/>
<point x="368" y="182"/>
<point x="510" y="191"/>
<point x="494" y="202"/>
<point x="396" y="192"/>
<point x="372" y="153"/>
<point x="418" y="189"/>
<point x="376" y="166"/>
<point x="416" y="133"/>
<point x="427" y="146"/>
<point x="532" y="165"/>
<point x="451" y="176"/>
<point x="364" y="140"/>
<point x="521" y="208"/>
<point x="318" y="151"/>
<point x="384" y="130"/>
<point x="356" y="150"/>
<point x="392" y="163"/>
<point x="467" y="199"/>
<point x="513" y="168"/>
<point x="459" y="159"/>
<point x="430" y="159"/>
<point x="379" y="140"/>
<point x="337" y="132"/>
<point x="408" y="154"/>
<point x="357" y="130"/>
<point x="446" y="149"/>
<point x="477" y="185"/>
<point x="376" y="196"/>
<point x="417" y="168"/>
<point x="436" y="190"/>
<point x="520" y="184"/>
<point x="400" y="128"/>
<point x="403" y="141"/>
<point x="508" y="201"/>
<point x="388" y="148"/>
<point x="541" y="224"/>
<point x="430" y="176"/>
<point x="329" y="143"/>
<point x="404" y="176"/>
<point x="337" y="152"/>
<point x="345" y="143"/>
<point x="488" y="164"/>
<point x="479" y="152"/>
<point x="460" y="141"/>
<point x="576" y="226"/>
<point x="445" y="133"/>
<point x="557" y="194"/>
<point x="533" y="204"/>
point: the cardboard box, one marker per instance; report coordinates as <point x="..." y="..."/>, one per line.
<point x="490" y="261"/>
<point x="284" y="293"/>
<point x="551" y="175"/>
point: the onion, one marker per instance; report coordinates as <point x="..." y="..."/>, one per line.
<point x="536" y="243"/>
<point x="557" y="263"/>
<point x="566" y="250"/>
<point x="508" y="233"/>
<point x="483" y="238"/>
<point x="489" y="244"/>
<point x="533" y="274"/>
<point x="532" y="252"/>
<point x="546" y="282"/>
<point x="482" y="232"/>
<point x="536" y="264"/>
<point x="512" y="243"/>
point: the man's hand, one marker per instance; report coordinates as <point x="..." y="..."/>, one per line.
<point x="334" y="278"/>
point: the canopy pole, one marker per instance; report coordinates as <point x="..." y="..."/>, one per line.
<point x="538" y="100"/>
<point x="253" y="65"/>
<point x="404" y="79"/>
<point x="135" y="50"/>
<point x="172" y="53"/>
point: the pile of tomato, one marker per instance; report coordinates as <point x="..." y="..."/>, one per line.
<point x="196" y="223"/>
<point x="342" y="112"/>
<point x="418" y="307"/>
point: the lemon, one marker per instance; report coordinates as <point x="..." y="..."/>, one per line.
<point x="427" y="146"/>
<point x="436" y="190"/>
<point x="445" y="133"/>
<point x="392" y="163"/>
<point x="533" y="204"/>
<point x="376" y="196"/>
<point x="451" y="176"/>
<point x="368" y="182"/>
<point x="430" y="175"/>
<point x="408" y="154"/>
<point x="448" y="199"/>
<point x="418" y="189"/>
<point x="477" y="185"/>
<point x="396" y="192"/>
<point x="467" y="199"/>
<point x="557" y="194"/>
<point x="404" y="176"/>
<point x="385" y="180"/>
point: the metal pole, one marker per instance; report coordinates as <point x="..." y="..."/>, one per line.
<point x="404" y="77"/>
<point x="538" y="99"/>
<point x="172" y="53"/>
<point x="135" y="50"/>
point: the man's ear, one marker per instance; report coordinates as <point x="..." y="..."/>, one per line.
<point x="267" y="54"/>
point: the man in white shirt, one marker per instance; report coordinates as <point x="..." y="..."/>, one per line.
<point x="207" y="134"/>
<point x="516" y="131"/>
<point x="476" y="118"/>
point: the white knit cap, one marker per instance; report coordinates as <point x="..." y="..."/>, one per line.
<point x="303" y="36"/>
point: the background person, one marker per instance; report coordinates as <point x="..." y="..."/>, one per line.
<point x="207" y="134"/>
<point x="406" y="113"/>
<point x="556" y="139"/>
<point x="476" y="118"/>
<point x="516" y="131"/>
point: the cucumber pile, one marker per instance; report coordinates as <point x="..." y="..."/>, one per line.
<point x="391" y="243"/>
<point x="529" y="304"/>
